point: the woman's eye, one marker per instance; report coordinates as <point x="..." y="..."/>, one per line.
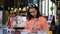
<point x="33" y="11"/>
<point x="30" y="12"/>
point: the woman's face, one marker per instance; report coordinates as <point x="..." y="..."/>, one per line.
<point x="33" y="12"/>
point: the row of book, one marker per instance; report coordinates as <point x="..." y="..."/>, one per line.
<point x="10" y="31"/>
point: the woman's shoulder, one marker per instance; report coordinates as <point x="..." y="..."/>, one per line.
<point x="43" y="18"/>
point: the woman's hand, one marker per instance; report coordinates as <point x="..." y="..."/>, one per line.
<point x="33" y="30"/>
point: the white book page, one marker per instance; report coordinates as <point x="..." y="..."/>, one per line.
<point x="41" y="32"/>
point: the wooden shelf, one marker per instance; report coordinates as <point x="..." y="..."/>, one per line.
<point x="18" y="27"/>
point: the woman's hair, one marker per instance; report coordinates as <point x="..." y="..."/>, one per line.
<point x="29" y="16"/>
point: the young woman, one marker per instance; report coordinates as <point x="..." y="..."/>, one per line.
<point x="35" y="21"/>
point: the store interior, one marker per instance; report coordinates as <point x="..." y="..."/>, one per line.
<point x="20" y="7"/>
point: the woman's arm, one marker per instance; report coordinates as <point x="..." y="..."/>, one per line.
<point x="45" y="24"/>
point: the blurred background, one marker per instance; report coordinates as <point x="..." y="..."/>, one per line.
<point x="44" y="6"/>
<point x="20" y="7"/>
